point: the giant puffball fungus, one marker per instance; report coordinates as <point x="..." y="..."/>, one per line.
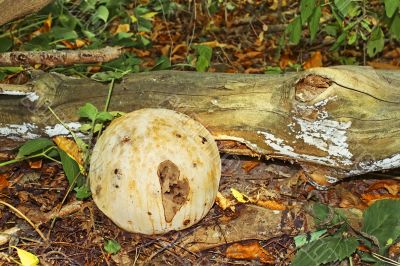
<point x="155" y="170"/>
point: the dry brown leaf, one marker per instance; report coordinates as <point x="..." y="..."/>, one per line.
<point x="35" y="164"/>
<point x="68" y="44"/>
<point x="46" y="27"/>
<point x="314" y="61"/>
<point x="271" y="204"/>
<point x="122" y="28"/>
<point x="79" y="43"/>
<point x="380" y="65"/>
<point x="249" y="251"/>
<point x="285" y="61"/>
<point x="391" y="186"/>
<point x="70" y="147"/>
<point x="223" y="202"/>
<point x="93" y="69"/>
<point x="3" y="181"/>
<point x="250" y="165"/>
<point x="370" y="198"/>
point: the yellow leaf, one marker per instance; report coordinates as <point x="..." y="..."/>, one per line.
<point x="223" y="202"/>
<point x="70" y="147"/>
<point x="149" y="16"/>
<point x="122" y="28"/>
<point x="27" y="258"/>
<point x="239" y="196"/>
<point x="133" y="18"/>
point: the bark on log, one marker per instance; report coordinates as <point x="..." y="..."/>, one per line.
<point x="12" y="9"/>
<point x="335" y="122"/>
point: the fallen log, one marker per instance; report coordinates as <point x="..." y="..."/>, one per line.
<point x="335" y="122"/>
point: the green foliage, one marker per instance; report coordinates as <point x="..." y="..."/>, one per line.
<point x="111" y="246"/>
<point x="306" y="9"/>
<point x="204" y="54"/>
<point x="381" y="228"/>
<point x="391" y="7"/>
<point x="34" y="146"/>
<point x="82" y="192"/>
<point x="382" y="220"/>
<point x="325" y="250"/>
<point x="294" y="31"/>
<point x="376" y="42"/>
<point x="70" y="166"/>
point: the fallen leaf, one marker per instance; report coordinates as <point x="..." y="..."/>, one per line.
<point x="70" y="147"/>
<point x="239" y="196"/>
<point x="223" y="202"/>
<point x="27" y="258"/>
<point x="285" y="61"/>
<point x="122" y="28"/>
<point x="391" y="186"/>
<point x="3" y="181"/>
<point x="370" y="198"/>
<point x="271" y="204"/>
<point x="37" y="164"/>
<point x="314" y="61"/>
<point x="250" y="165"/>
<point x="249" y="251"/>
<point x="46" y="27"/>
<point x="79" y="43"/>
<point x="380" y="65"/>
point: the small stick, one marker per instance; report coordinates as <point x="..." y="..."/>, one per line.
<point x="25" y="218"/>
<point x="64" y="57"/>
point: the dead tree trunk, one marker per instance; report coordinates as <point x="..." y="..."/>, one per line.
<point x="335" y="122"/>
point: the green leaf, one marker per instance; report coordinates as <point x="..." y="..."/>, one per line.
<point x="347" y="7"/>
<point x="395" y="26"/>
<point x="104" y="116"/>
<point x="102" y="13"/>
<point x="112" y="246"/>
<point x="106" y="76"/>
<point x="353" y="38"/>
<point x="82" y="192"/>
<point x="68" y="21"/>
<point x="324" y="214"/>
<point x="33" y="146"/>
<point x="70" y="166"/>
<point x="314" y="22"/>
<point x="59" y="33"/>
<point x="5" y="44"/>
<point x="204" y="54"/>
<point x="294" y="30"/>
<point x="340" y="40"/>
<point x="303" y="239"/>
<point x="321" y="251"/>
<point x="391" y="6"/>
<point x="306" y="9"/>
<point x="381" y="220"/>
<point x="88" y="111"/>
<point x="376" y="42"/>
<point x="162" y="64"/>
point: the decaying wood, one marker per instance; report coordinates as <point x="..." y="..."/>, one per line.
<point x="335" y="122"/>
<point x="56" y="57"/>
<point x="13" y="9"/>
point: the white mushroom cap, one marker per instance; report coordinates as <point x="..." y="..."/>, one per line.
<point x="155" y="170"/>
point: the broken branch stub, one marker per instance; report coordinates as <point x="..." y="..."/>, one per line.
<point x="335" y="122"/>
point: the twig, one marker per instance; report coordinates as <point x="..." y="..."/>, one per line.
<point x="64" y="57"/>
<point x="25" y="218"/>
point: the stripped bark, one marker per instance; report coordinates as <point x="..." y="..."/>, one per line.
<point x="335" y="122"/>
<point x="56" y="57"/>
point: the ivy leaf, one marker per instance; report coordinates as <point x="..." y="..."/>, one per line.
<point x="204" y="54"/>
<point x="102" y="13"/>
<point x="294" y="30"/>
<point x="112" y="246"/>
<point x="376" y="42"/>
<point x="33" y="146"/>
<point x="325" y="250"/>
<point x="391" y="6"/>
<point x="82" y="192"/>
<point x="70" y="166"/>
<point x="381" y="220"/>
<point x="306" y="9"/>
<point x="314" y="22"/>
<point x="88" y="111"/>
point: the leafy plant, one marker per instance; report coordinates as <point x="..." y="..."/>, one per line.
<point x="204" y="54"/>
<point x="112" y="246"/>
<point x="380" y="230"/>
<point x="354" y="23"/>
